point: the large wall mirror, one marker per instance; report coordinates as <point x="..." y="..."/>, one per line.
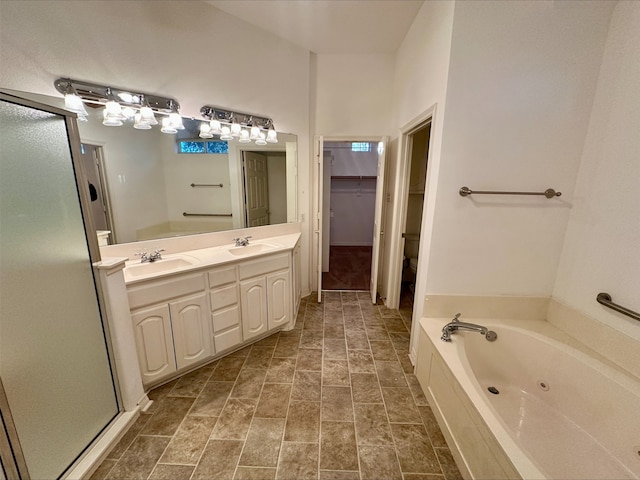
<point x="146" y="185"/>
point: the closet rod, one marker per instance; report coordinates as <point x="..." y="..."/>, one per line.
<point x="549" y="192"/>
<point x="218" y="185"/>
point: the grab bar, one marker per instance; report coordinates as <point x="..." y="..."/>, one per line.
<point x="605" y="299"/>
<point x="219" y="185"/>
<point x="185" y="214"/>
<point x="549" y="192"/>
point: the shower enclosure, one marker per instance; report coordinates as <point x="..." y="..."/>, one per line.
<point x="57" y="389"/>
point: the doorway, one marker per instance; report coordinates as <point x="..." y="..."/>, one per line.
<point x="350" y="173"/>
<point x="92" y="160"/>
<point x="418" y="156"/>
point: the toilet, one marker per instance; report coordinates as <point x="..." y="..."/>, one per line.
<point x="413" y="265"/>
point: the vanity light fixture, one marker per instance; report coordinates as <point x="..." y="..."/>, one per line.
<point x="120" y="105"/>
<point x="237" y="125"/>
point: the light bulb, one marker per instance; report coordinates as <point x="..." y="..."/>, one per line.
<point x="205" y="130"/>
<point x="147" y="116"/>
<point x="74" y="103"/>
<point x="235" y="129"/>
<point x="272" y="136"/>
<point x="167" y="126"/>
<point x="140" y="123"/>
<point x="176" y="121"/>
<point x="110" y="120"/>
<point x="260" y="140"/>
<point x="225" y="133"/>
<point x="255" y="133"/>
<point x="215" y="127"/>
<point x="244" y="137"/>
<point x="113" y="110"/>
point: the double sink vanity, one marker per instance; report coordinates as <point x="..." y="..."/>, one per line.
<point x="193" y="306"/>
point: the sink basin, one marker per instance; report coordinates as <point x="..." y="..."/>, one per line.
<point x="252" y="249"/>
<point x="159" y="266"/>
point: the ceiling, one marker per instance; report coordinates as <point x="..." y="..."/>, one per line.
<point x="330" y="26"/>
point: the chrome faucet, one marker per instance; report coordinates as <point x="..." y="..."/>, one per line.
<point x="150" y="257"/>
<point x="242" y="242"/>
<point x="454" y="325"/>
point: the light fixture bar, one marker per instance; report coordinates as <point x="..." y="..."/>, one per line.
<point x="101" y="94"/>
<point x="229" y="116"/>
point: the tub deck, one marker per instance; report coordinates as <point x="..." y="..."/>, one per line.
<point x="562" y="412"/>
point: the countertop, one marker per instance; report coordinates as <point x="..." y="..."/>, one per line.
<point x="173" y="263"/>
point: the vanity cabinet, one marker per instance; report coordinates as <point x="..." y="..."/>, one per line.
<point x="188" y="319"/>
<point x="278" y="299"/>
<point x="191" y="330"/>
<point x="154" y="342"/>
<point x="265" y="294"/>
<point x="225" y="308"/>
<point x="253" y="295"/>
<point x="171" y="325"/>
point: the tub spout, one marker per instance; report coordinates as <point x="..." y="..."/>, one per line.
<point x="454" y="325"/>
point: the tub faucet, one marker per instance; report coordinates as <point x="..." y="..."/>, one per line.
<point x="454" y="325"/>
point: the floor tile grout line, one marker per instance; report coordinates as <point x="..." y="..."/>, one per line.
<point x="286" y="417"/>
<point x="218" y="417"/>
<point x="253" y="416"/>
<point x="321" y="387"/>
<point x="353" y="408"/>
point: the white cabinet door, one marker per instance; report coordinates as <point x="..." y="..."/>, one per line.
<point x="278" y="299"/>
<point x="253" y="299"/>
<point x="154" y="343"/>
<point x="191" y="329"/>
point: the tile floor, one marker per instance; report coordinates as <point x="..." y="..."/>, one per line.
<point x="335" y="398"/>
<point x="349" y="268"/>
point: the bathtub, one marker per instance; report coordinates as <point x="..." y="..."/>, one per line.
<point x="558" y="409"/>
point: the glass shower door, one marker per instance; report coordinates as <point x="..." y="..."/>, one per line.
<point x="54" y="362"/>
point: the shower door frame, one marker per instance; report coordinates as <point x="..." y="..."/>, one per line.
<point x="11" y="455"/>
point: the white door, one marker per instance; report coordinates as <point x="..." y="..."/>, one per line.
<point x="96" y="190"/>
<point x="256" y="186"/>
<point x="319" y="173"/>
<point x="377" y="222"/>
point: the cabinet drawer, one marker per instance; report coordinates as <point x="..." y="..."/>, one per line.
<point x="221" y="276"/>
<point x="223" y="297"/>
<point x="226" y="318"/>
<point x="228" y="339"/>
<point x="164" y="290"/>
<point x="265" y="265"/>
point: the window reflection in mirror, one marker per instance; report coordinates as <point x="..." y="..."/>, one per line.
<point x="155" y="185"/>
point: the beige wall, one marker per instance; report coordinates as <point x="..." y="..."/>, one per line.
<point x="353" y="96"/>
<point x="521" y="82"/>
<point x="187" y="50"/>
<point x="601" y="250"/>
<point x="135" y="174"/>
<point x="420" y="84"/>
